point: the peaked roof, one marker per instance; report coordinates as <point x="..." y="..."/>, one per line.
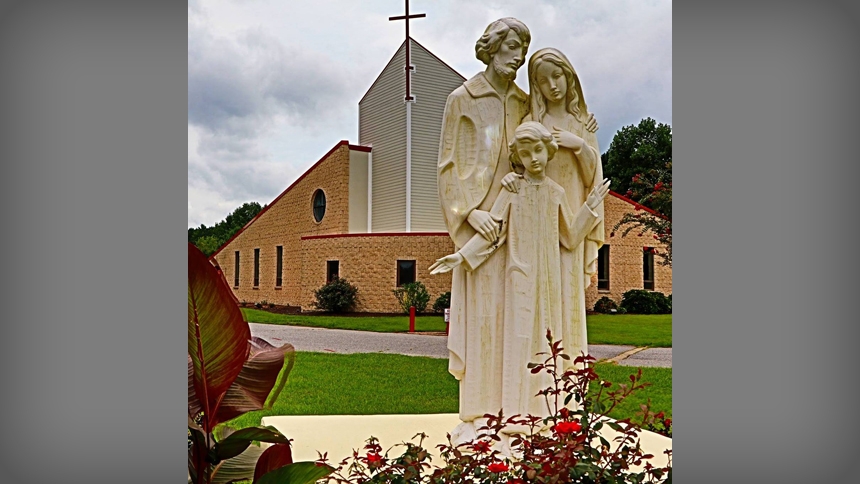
<point x="395" y="55"/>
<point x="300" y="178"/>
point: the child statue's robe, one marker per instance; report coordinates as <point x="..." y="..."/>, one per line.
<point x="536" y="223"/>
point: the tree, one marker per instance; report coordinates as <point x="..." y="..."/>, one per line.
<point x="209" y="239"/>
<point x="638" y="150"/>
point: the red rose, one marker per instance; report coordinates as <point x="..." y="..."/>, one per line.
<point x="497" y="467"/>
<point x="374" y="459"/>
<point x="567" y="427"/>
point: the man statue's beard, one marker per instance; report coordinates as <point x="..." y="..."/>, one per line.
<point x="503" y="70"/>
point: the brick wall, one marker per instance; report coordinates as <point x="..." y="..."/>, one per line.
<point x="370" y="262"/>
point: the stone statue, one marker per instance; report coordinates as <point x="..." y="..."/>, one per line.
<point x="480" y="118"/>
<point x="535" y="223"/>
<point x="479" y="123"/>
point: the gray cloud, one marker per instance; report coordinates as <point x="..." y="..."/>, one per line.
<point x="243" y="89"/>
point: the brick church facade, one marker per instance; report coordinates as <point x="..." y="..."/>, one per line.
<point x="369" y="212"/>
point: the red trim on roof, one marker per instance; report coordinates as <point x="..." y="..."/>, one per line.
<point x="392" y="60"/>
<point x="378" y="234"/>
<point x="338" y="145"/>
<point x="638" y="205"/>
<point x="366" y="149"/>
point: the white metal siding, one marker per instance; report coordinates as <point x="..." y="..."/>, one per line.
<point x="358" y="191"/>
<point x="382" y="123"/>
<point x="432" y="81"/>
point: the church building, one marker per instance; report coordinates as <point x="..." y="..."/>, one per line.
<point x="369" y="211"/>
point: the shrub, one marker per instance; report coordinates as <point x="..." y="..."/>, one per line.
<point x="412" y="294"/>
<point x="604" y="304"/>
<point x="664" y="302"/>
<point x="442" y="303"/>
<point x="640" y="301"/>
<point x="336" y="296"/>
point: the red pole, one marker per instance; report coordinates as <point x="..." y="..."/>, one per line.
<point x="411" y="319"/>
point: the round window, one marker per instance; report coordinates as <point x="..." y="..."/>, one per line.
<point x="319" y="205"/>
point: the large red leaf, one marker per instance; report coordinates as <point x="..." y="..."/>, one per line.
<point x="218" y="337"/>
<point x="275" y="457"/>
<point x="260" y="382"/>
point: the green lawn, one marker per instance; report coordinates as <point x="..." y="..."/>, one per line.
<point x="619" y="329"/>
<point x="384" y="324"/>
<point x="654" y="330"/>
<point x="365" y="384"/>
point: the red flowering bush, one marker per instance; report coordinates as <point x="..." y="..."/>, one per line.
<point x="566" y="447"/>
<point x="652" y="189"/>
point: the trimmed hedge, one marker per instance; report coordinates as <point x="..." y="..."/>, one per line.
<point x="640" y="301"/>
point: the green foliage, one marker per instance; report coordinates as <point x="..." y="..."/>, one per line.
<point x="209" y="239"/>
<point x="640" y="301"/>
<point x="604" y="305"/>
<point x="442" y="303"/>
<point x="637" y="149"/>
<point x="412" y="294"/>
<point x="230" y="373"/>
<point x="336" y="296"/>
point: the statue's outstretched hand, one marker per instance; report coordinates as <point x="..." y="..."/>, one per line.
<point x="591" y="123"/>
<point x="598" y="194"/>
<point x="446" y="264"/>
<point x="511" y="182"/>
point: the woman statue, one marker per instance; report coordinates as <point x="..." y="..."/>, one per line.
<point x="557" y="102"/>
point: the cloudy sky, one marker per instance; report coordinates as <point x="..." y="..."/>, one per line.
<point x="274" y="84"/>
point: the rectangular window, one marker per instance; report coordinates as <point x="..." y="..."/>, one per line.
<point x="603" y="268"/>
<point x="256" y="267"/>
<point x="279" y="265"/>
<point x="332" y="270"/>
<point x="405" y="272"/>
<point x="648" y="268"/>
<point x="236" y="270"/>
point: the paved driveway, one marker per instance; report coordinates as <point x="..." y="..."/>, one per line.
<point x="434" y="346"/>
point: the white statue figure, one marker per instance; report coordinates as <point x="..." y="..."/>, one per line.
<point x="480" y="118"/>
<point x="534" y="223"/>
<point x="557" y="102"/>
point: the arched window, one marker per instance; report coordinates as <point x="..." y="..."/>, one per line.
<point x="319" y="205"/>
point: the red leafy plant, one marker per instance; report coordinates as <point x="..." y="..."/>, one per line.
<point x="566" y="447"/>
<point x="231" y="373"/>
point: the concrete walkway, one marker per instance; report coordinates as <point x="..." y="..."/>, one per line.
<point x="432" y="345"/>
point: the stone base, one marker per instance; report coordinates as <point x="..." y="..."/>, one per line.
<point x="340" y="435"/>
